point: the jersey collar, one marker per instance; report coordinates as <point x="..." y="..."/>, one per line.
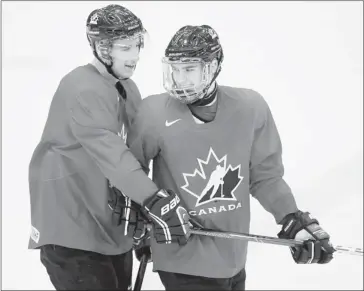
<point x="102" y="70"/>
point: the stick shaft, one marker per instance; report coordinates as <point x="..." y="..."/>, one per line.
<point x="268" y="240"/>
<point x="140" y="276"/>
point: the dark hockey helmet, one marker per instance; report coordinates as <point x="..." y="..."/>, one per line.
<point x="195" y="42"/>
<point x="192" y="44"/>
<point x="109" y="23"/>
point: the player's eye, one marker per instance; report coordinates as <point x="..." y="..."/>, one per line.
<point x="123" y="47"/>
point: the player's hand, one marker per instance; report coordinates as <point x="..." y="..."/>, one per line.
<point x="142" y="247"/>
<point x="317" y="247"/>
<point x="169" y="218"/>
<point x="127" y="215"/>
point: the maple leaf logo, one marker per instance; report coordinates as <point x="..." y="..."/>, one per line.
<point x="212" y="180"/>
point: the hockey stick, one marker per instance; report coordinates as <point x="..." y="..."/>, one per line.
<point x="140" y="276"/>
<point x="268" y="240"/>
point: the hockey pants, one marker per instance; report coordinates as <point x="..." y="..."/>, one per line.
<point x="72" y="269"/>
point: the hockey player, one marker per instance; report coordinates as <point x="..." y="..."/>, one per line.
<point x="83" y="226"/>
<point x="215" y="145"/>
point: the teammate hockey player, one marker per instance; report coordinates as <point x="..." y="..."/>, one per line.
<point x="214" y="145"/>
<point x="83" y="226"/>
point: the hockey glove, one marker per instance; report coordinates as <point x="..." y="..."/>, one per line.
<point x="317" y="247"/>
<point x="169" y="218"/>
<point x="127" y="214"/>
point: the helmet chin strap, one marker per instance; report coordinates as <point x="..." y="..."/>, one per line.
<point x="207" y="96"/>
<point x="108" y="67"/>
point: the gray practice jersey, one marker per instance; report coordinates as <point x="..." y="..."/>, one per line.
<point x="214" y="167"/>
<point x="83" y="146"/>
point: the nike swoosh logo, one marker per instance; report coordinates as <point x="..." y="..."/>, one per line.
<point x="172" y="122"/>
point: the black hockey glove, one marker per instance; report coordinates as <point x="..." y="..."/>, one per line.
<point x="127" y="214"/>
<point x="169" y="218"/>
<point x="317" y="247"/>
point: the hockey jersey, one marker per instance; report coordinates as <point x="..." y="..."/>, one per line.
<point x="83" y="146"/>
<point x="214" y="167"/>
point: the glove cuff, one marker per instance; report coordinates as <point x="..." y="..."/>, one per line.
<point x="295" y="222"/>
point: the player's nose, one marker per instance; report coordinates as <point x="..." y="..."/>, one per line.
<point x="180" y="78"/>
<point x="134" y="55"/>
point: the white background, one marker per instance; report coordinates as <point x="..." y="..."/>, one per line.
<point x="305" y="58"/>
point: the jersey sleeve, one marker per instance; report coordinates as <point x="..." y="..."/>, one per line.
<point x="92" y="123"/>
<point x="144" y="135"/>
<point x="266" y="167"/>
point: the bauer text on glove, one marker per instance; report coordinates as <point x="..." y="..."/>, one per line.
<point x="169" y="218"/>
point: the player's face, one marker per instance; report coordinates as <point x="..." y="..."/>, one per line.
<point x="187" y="75"/>
<point x="125" y="55"/>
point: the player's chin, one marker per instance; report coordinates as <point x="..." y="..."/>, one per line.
<point x="183" y="99"/>
<point x="126" y="74"/>
<point x="187" y="99"/>
<point x="124" y="70"/>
